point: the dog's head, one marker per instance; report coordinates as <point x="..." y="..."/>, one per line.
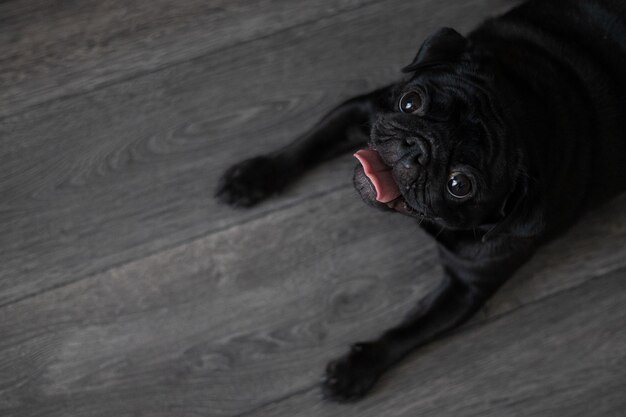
<point x="441" y="147"/>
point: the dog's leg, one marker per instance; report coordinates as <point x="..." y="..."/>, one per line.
<point x="344" y="129"/>
<point x="352" y="375"/>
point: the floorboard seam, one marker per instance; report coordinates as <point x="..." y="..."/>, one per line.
<point x="277" y="400"/>
<point x="186" y="241"/>
<point x="172" y="64"/>
<point x="455" y="333"/>
<point x="497" y="317"/>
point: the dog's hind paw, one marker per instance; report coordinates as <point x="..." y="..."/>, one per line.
<point x="251" y="181"/>
<point x="351" y="376"/>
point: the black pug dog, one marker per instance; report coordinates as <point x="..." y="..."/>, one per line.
<point x="494" y="142"/>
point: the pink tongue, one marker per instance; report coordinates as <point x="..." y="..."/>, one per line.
<point x="380" y="174"/>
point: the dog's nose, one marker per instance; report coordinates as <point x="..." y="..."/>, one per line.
<point x="418" y="152"/>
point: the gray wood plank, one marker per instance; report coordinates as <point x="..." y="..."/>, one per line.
<point x="198" y="329"/>
<point x="249" y="315"/>
<point x="593" y="247"/>
<point x="562" y="356"/>
<point x="60" y="48"/>
<point x="109" y="176"/>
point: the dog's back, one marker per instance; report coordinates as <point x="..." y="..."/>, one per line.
<point x="569" y="57"/>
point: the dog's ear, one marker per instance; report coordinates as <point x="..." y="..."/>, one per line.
<point x="443" y="46"/>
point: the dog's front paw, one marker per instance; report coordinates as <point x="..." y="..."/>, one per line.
<point x="251" y="181"/>
<point x="351" y="376"/>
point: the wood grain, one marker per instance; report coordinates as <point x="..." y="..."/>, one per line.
<point x="202" y="326"/>
<point x="563" y="356"/>
<point x="126" y="291"/>
<point x="248" y="316"/>
<point x="63" y="48"/>
<point x="124" y="171"/>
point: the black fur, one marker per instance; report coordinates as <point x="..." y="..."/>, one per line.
<point x="531" y="105"/>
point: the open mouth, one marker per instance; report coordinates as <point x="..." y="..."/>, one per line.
<point x="380" y="175"/>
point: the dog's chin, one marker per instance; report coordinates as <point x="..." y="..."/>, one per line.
<point x="367" y="191"/>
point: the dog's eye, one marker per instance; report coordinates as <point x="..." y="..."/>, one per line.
<point x="459" y="185"/>
<point x="412" y="102"/>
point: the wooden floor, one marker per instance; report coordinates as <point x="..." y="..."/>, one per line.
<point x="126" y="290"/>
